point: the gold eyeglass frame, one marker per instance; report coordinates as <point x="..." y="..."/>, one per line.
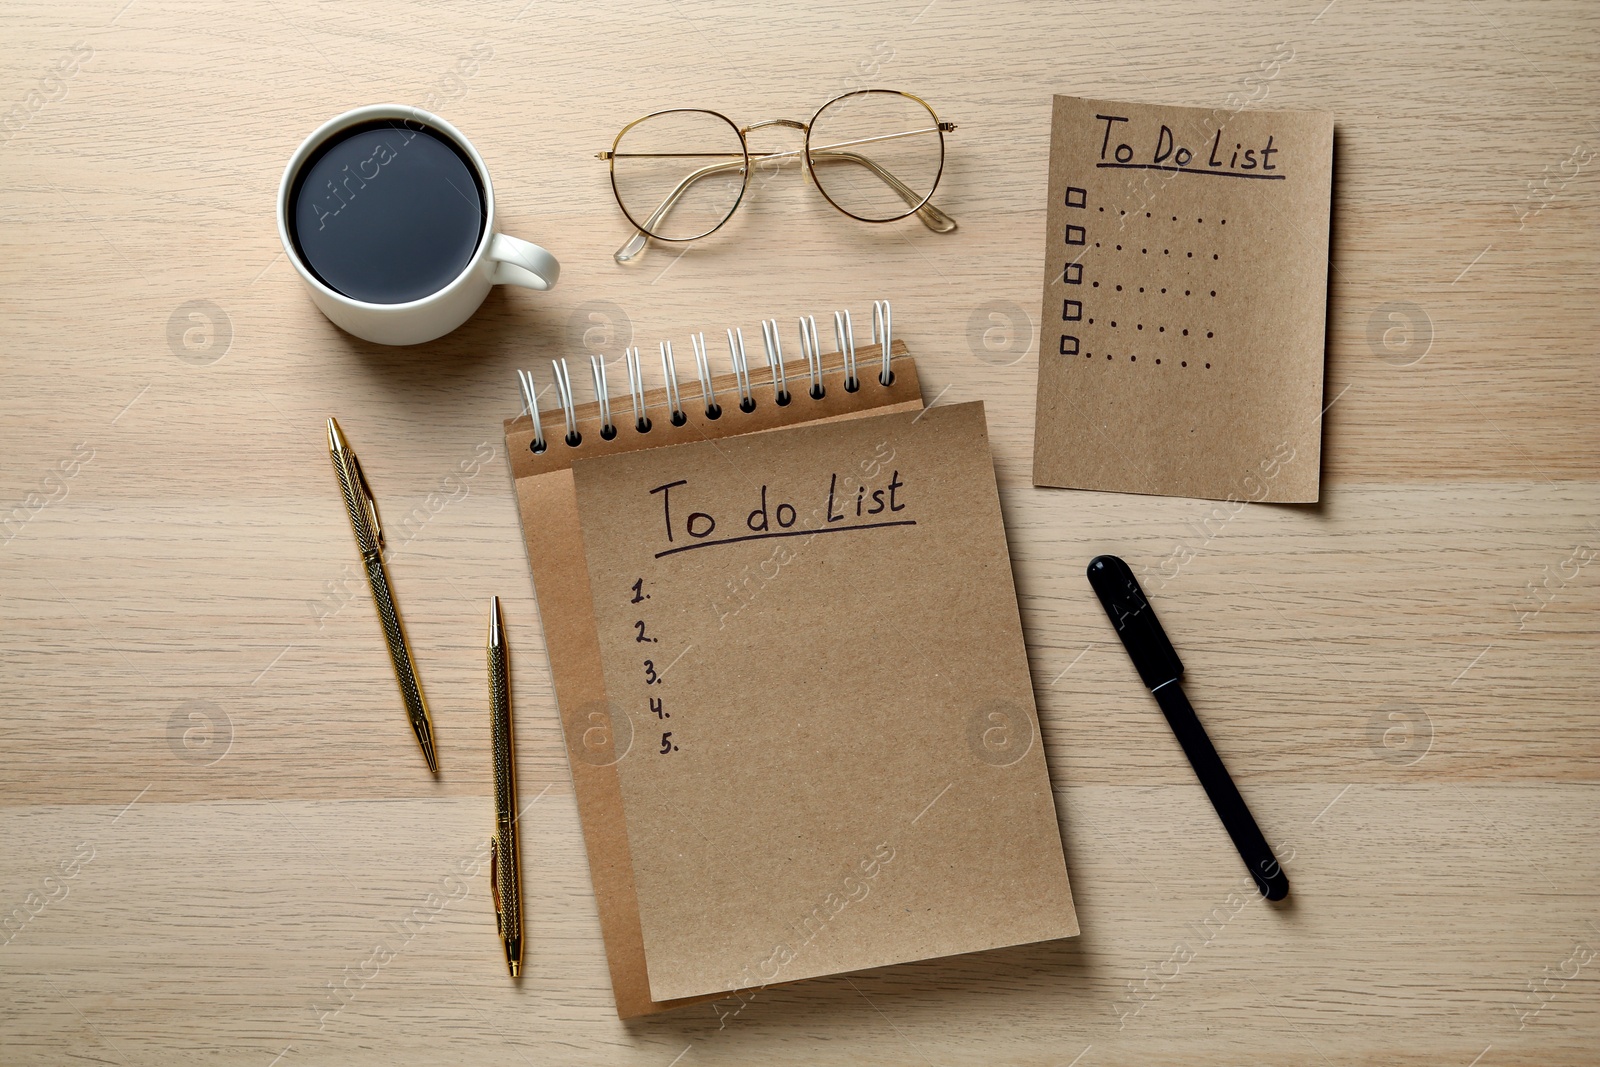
<point x="930" y="216"/>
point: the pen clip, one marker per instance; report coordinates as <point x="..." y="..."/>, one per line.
<point x="494" y="880"/>
<point x="368" y="500"/>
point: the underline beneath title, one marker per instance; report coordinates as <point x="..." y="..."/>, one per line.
<point x="786" y="533"/>
<point x="1194" y="170"/>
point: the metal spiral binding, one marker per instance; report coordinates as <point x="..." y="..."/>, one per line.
<point x="812" y="350"/>
<point x="881" y="313"/>
<point x="741" y="369"/>
<point x="568" y="405"/>
<point x="641" y="419"/>
<point x="780" y="382"/>
<point x="530" y="396"/>
<point x="703" y="367"/>
<point x="670" y="370"/>
<point x="845" y="334"/>
<point x="608" y="429"/>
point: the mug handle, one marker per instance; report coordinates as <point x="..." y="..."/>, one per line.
<point x="519" y="262"/>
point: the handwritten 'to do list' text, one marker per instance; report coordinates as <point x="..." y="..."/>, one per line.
<point x="864" y="505"/>
<point x="1242" y="160"/>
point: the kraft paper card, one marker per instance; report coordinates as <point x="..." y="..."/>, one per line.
<point x="1185" y="295"/>
<point x="835" y="764"/>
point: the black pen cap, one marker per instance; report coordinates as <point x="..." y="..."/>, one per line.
<point x="1135" y="620"/>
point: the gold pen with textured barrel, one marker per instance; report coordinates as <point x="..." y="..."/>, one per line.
<point x="504" y="856"/>
<point x="363" y="510"/>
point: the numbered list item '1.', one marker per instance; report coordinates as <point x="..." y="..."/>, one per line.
<point x="836" y="761"/>
<point x="1185" y="298"/>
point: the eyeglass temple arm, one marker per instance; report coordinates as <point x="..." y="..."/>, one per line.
<point x="931" y="217"/>
<point x="635" y="244"/>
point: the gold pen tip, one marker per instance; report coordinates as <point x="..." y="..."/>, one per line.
<point x="427" y="754"/>
<point x="496" y="624"/>
<point x="516" y="968"/>
<point x="335" y="435"/>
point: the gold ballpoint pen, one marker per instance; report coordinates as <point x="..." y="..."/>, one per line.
<point x="504" y="855"/>
<point x="369" y="539"/>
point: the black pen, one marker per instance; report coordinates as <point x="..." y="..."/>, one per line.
<point x="1158" y="665"/>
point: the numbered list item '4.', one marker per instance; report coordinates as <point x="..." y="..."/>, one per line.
<point x="806" y="625"/>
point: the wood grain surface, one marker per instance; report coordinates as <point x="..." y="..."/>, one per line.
<point x="212" y="810"/>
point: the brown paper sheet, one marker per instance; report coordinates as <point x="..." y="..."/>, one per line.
<point x="1181" y="339"/>
<point x="835" y="761"/>
<point x="547" y="505"/>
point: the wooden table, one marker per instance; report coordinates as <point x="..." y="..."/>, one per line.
<point x="211" y="808"/>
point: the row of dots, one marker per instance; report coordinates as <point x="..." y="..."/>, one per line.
<point x="1186" y="292"/>
<point x="1140" y="326"/>
<point x="1135" y="359"/>
<point x="1174" y="218"/>
<point x="1164" y="251"/>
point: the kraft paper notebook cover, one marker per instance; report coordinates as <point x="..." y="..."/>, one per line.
<point x="814" y="629"/>
<point x="1182" y="337"/>
<point x="603" y="734"/>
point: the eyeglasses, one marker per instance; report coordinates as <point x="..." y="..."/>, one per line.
<point x="875" y="154"/>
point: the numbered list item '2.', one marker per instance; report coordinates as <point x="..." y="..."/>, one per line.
<point x="1185" y="293"/>
<point x="803" y="626"/>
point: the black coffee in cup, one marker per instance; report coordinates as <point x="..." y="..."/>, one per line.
<point x="387" y="212"/>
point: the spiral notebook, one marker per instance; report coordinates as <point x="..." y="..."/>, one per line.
<point x="790" y="669"/>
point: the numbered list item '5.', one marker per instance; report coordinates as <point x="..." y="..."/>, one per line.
<point x="835" y="764"/>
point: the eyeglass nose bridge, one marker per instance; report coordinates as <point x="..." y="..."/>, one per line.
<point x="769" y="162"/>
<point x="790" y="123"/>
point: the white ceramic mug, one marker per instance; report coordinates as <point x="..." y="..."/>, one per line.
<point x="499" y="259"/>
